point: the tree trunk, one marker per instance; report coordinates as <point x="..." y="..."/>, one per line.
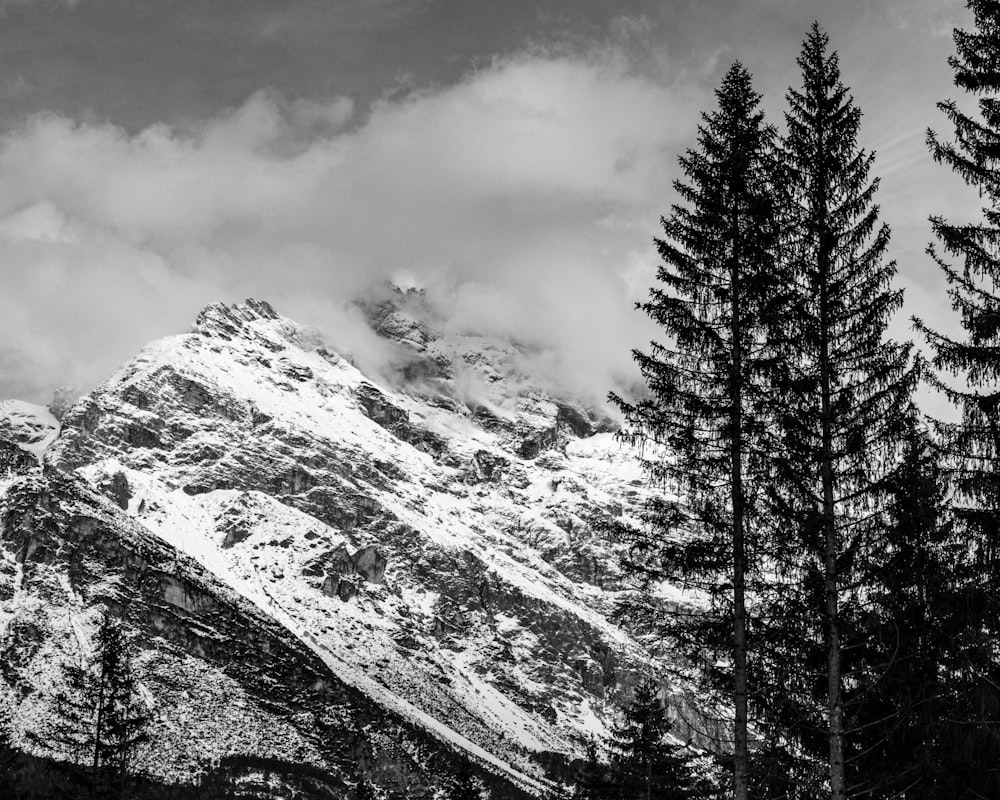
<point x="741" y="751"/>
<point x="99" y="719"/>
<point x="838" y="789"/>
<point x="835" y="710"/>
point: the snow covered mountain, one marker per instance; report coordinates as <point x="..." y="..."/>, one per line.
<point x="306" y="552"/>
<point x="33" y="428"/>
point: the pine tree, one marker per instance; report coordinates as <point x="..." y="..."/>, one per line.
<point x="968" y="253"/>
<point x="844" y="391"/>
<point x="593" y="779"/>
<point x="717" y="279"/>
<point x="974" y="442"/>
<point x="900" y="642"/>
<point x="911" y="700"/>
<point x="100" y="721"/>
<point x="645" y="766"/>
<point x="465" y="785"/>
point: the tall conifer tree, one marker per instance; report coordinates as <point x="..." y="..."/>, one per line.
<point x="900" y="638"/>
<point x="645" y="765"/>
<point x="974" y="284"/>
<point x="704" y="382"/>
<point x="968" y="373"/>
<point x="593" y="779"/>
<point x="100" y="719"/>
<point x="844" y="391"/>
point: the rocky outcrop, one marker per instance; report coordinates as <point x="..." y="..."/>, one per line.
<point x="370" y="564"/>
<point x="343" y="572"/>
<point x="536" y="442"/>
<point x="397" y="316"/>
<point x="486" y="467"/>
<point x="582" y="422"/>
<point x="62" y="400"/>
<point x="14" y="460"/>
<point x="117" y="489"/>
<point x="377" y="407"/>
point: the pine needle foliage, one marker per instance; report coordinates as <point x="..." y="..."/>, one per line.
<point x="974" y="154"/>
<point x="915" y="733"/>
<point x="593" y="779"/>
<point x="700" y="424"/>
<point x="841" y="397"/>
<point x="647" y="766"/>
<point x="967" y="372"/>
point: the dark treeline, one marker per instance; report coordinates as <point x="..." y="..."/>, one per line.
<point x="845" y="549"/>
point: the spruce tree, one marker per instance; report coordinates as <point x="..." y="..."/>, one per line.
<point x="900" y="642"/>
<point x="967" y="372"/>
<point x="911" y="700"/>
<point x="100" y="720"/>
<point x="593" y="779"/>
<point x="715" y="283"/>
<point x="973" y="443"/>
<point x="645" y="766"/>
<point x="843" y="390"/>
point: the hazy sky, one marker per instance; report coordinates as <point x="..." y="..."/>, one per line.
<point x="513" y="156"/>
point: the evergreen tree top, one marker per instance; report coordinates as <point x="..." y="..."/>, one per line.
<point x="975" y="152"/>
<point x="974" y="155"/>
<point x="975" y="64"/>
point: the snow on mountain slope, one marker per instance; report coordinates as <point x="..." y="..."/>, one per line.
<point x="64" y="551"/>
<point x="220" y="675"/>
<point x="31" y="427"/>
<point x="433" y="543"/>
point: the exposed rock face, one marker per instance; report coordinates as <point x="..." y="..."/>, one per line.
<point x="584" y="422"/>
<point x="62" y="400"/>
<point x="391" y="318"/>
<point x="343" y="572"/>
<point x="432" y="544"/>
<point x="537" y="442"/>
<point x="14" y="460"/>
<point x="377" y="407"/>
<point x="486" y="467"/>
<point x="370" y="564"/>
<point x="117" y="489"/>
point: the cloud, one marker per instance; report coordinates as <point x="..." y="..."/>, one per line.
<point x="524" y="198"/>
<point x="933" y="18"/>
<point x="8" y="4"/>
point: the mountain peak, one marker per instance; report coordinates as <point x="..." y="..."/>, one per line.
<point x="219" y="319"/>
<point x="444" y="559"/>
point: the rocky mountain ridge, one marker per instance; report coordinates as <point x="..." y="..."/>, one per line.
<point x="430" y="551"/>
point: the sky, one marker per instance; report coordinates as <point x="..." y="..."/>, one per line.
<point x="513" y="157"/>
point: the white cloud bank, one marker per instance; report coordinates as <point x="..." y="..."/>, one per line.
<point x="524" y="198"/>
